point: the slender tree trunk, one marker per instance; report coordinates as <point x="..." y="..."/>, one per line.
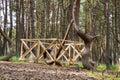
<point x="1" y="43"/>
<point x="4" y="50"/>
<point x="38" y="16"/>
<point x="108" y="53"/>
<point x="27" y="33"/>
<point x="43" y="19"/>
<point x="116" y="22"/>
<point x="11" y="19"/>
<point x="118" y="28"/>
<point x="22" y="30"/>
<point x="47" y="18"/>
<point x="71" y="35"/>
<point x="17" y="26"/>
<point x="32" y="19"/>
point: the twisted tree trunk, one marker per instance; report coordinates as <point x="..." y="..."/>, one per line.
<point x="11" y="53"/>
<point x="86" y="58"/>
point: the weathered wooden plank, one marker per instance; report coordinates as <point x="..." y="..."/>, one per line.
<point x="31" y="48"/>
<point x="45" y="50"/>
<point x="63" y="52"/>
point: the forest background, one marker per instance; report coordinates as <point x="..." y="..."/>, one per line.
<point x="49" y="19"/>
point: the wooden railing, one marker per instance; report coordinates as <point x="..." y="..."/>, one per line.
<point x="70" y="51"/>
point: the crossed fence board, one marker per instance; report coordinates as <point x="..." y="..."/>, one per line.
<point x="70" y="51"/>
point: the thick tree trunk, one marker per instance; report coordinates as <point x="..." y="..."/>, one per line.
<point x="86" y="58"/>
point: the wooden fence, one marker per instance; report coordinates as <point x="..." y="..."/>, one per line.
<point x="70" y="52"/>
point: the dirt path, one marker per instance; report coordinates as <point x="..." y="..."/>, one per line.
<point x="31" y="71"/>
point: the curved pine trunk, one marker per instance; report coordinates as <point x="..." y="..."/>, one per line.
<point x="86" y="58"/>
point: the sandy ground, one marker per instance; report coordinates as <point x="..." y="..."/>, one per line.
<point x="32" y="71"/>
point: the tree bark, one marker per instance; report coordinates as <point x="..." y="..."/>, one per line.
<point x="32" y="28"/>
<point x="18" y="26"/>
<point x="4" y="48"/>
<point x="22" y="11"/>
<point x="86" y="57"/>
<point x="11" y="18"/>
<point x="108" y="60"/>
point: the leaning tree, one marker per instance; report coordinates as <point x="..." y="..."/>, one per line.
<point x="87" y="38"/>
<point x="11" y="44"/>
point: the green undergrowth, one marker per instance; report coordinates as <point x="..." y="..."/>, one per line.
<point x="1" y="57"/>
<point x="102" y="73"/>
<point x="80" y="65"/>
<point x="66" y="64"/>
<point x="16" y="59"/>
<point x="103" y="76"/>
<point x="102" y="67"/>
<point x="42" y="62"/>
<point x="114" y="67"/>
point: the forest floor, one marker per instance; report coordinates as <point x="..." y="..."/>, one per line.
<point x="32" y="71"/>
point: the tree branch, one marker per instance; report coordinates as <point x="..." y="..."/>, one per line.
<point x="11" y="53"/>
<point x="5" y="36"/>
<point x="66" y="34"/>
